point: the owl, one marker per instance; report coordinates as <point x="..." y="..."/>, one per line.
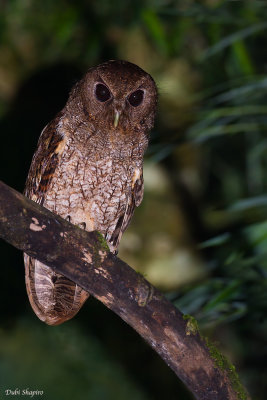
<point x="88" y="168"/>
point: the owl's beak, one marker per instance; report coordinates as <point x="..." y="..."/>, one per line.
<point x="116" y="119"/>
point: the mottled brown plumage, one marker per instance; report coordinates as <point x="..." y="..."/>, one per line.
<point x="88" y="168"/>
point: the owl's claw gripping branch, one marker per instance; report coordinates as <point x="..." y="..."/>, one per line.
<point x="121" y="289"/>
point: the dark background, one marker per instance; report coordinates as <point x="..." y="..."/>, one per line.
<point x="201" y="232"/>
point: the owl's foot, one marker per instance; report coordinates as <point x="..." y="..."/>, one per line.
<point x="81" y="225"/>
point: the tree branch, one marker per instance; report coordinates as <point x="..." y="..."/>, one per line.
<point x="84" y="258"/>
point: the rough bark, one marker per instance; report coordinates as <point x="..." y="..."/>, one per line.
<point x="84" y="258"/>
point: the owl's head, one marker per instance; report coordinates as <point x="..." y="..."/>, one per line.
<point x="119" y="96"/>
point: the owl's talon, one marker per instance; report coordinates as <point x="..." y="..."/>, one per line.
<point x="82" y="225"/>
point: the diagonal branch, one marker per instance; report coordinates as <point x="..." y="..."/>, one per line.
<point x="84" y="258"/>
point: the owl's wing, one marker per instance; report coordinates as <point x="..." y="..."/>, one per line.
<point x="45" y="160"/>
<point x="134" y="200"/>
<point x="53" y="297"/>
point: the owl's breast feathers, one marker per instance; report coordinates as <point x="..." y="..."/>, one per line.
<point x="97" y="184"/>
<point x="88" y="181"/>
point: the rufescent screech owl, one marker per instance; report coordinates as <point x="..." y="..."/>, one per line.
<point x="88" y="169"/>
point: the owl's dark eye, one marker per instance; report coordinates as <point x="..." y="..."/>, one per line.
<point x="136" y="98"/>
<point x="102" y="93"/>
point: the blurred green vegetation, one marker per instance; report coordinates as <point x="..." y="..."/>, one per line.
<point x="201" y="232"/>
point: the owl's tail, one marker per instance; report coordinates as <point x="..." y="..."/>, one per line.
<point x="53" y="297"/>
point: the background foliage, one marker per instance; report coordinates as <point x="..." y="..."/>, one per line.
<point x="201" y="232"/>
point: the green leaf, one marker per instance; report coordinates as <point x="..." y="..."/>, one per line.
<point x="249" y="203"/>
<point x="230" y="39"/>
<point x="215" y="241"/>
<point x="218" y="130"/>
<point x="156" y="29"/>
<point x="223" y="296"/>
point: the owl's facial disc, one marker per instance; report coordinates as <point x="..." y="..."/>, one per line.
<point x="103" y="94"/>
<point x="134" y="99"/>
<point x="120" y="96"/>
